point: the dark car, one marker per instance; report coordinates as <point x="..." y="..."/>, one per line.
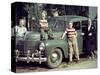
<point x="32" y="49"/>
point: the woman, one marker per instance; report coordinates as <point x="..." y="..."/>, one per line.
<point x="90" y="40"/>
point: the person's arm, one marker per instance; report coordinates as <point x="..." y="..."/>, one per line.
<point x="25" y="30"/>
<point x="63" y="34"/>
<point x="16" y="29"/>
<point x="92" y="30"/>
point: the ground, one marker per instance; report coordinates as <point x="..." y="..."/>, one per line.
<point x="84" y="63"/>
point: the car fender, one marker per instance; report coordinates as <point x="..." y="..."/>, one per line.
<point x="61" y="44"/>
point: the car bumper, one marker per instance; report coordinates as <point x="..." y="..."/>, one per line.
<point x="30" y="58"/>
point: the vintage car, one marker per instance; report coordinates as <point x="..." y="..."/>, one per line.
<point x="51" y="51"/>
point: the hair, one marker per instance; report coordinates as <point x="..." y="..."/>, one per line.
<point x="70" y="22"/>
<point x="22" y="19"/>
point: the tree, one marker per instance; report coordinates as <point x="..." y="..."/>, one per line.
<point x="33" y="10"/>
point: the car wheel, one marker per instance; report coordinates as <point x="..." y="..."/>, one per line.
<point x="54" y="58"/>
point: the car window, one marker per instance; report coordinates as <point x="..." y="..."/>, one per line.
<point x="85" y="23"/>
<point x="57" y="25"/>
<point x="94" y="23"/>
<point x="77" y="25"/>
<point x="51" y="23"/>
<point x="84" y="26"/>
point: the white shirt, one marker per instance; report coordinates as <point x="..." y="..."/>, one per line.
<point x="20" y="31"/>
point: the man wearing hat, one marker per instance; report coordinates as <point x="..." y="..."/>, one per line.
<point x="44" y="27"/>
<point x="72" y="41"/>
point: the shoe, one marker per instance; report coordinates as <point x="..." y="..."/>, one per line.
<point x="50" y="38"/>
<point x="93" y="57"/>
<point x="77" y="61"/>
<point x="70" y="62"/>
<point x="89" y="57"/>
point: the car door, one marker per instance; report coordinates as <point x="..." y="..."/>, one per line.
<point x="77" y="26"/>
<point x="84" y="31"/>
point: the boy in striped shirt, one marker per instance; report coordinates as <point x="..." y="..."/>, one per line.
<point x="72" y="41"/>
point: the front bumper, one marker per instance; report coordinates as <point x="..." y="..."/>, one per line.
<point x="31" y="57"/>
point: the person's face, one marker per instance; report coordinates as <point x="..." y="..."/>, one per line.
<point x="43" y="17"/>
<point x="70" y="25"/>
<point x="22" y="22"/>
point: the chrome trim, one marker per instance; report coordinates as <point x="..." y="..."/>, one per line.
<point x="28" y="56"/>
<point x="17" y="54"/>
<point x="32" y="59"/>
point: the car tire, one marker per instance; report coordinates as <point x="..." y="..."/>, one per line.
<point x="54" y="58"/>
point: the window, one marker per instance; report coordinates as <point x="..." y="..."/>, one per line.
<point x="57" y="25"/>
<point x="76" y="25"/>
<point x="84" y="26"/>
<point x="85" y="23"/>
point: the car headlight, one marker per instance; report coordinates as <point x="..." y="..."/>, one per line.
<point x="42" y="46"/>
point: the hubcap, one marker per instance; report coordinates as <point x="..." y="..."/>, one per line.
<point x="54" y="57"/>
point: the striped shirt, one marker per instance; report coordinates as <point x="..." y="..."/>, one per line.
<point x="43" y="23"/>
<point x="70" y="32"/>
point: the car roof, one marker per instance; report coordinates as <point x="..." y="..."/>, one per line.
<point x="69" y="18"/>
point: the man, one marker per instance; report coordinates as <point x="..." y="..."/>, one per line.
<point x="90" y="40"/>
<point x="44" y="28"/>
<point x="72" y="42"/>
<point x="20" y="30"/>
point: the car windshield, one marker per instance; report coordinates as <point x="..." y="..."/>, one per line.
<point x="35" y="26"/>
<point x="59" y="23"/>
<point x="56" y="25"/>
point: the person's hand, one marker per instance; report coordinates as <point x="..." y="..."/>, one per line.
<point x="82" y="34"/>
<point x="90" y="34"/>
